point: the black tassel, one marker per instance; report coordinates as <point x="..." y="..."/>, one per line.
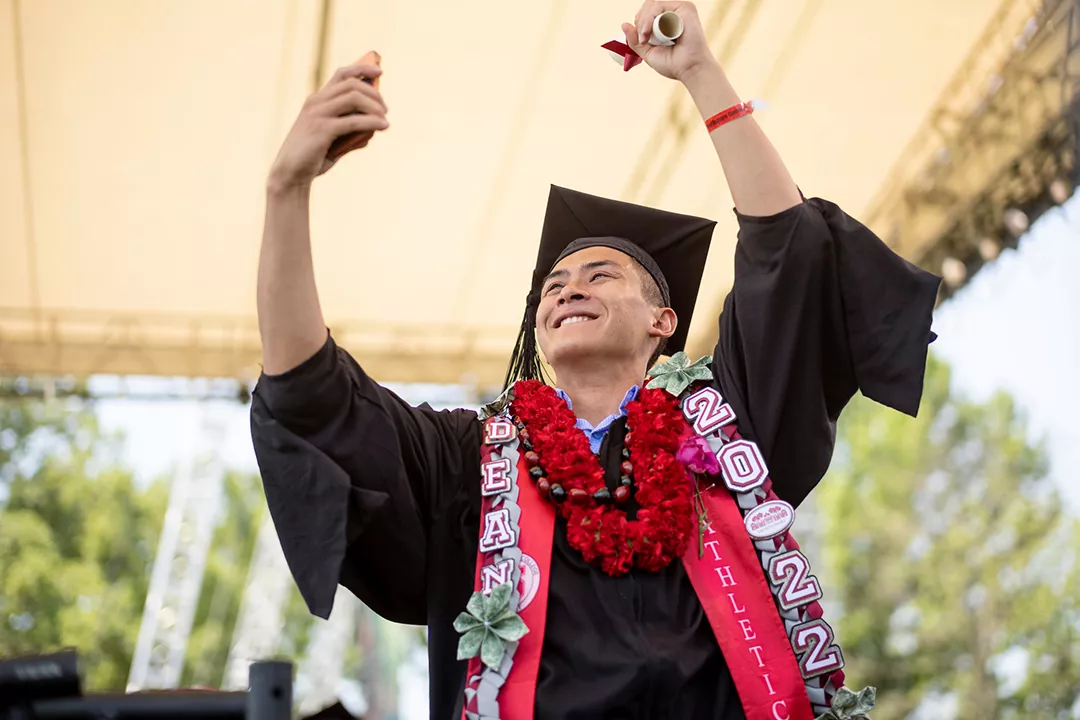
<point x="525" y="360"/>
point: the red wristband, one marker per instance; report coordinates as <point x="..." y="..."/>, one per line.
<point x="732" y="113"/>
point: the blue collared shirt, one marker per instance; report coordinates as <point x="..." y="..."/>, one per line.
<point x="596" y="434"/>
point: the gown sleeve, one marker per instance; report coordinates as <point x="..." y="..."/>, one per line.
<point x="819" y="308"/>
<point x="353" y="476"/>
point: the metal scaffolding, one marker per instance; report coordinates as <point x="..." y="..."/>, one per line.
<point x="999" y="141"/>
<point x="82" y="343"/>
<point x="999" y="136"/>
<point x="262" y="609"/>
<point x="177" y="575"/>
<point x="323" y="666"/>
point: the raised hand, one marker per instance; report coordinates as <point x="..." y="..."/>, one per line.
<point x="679" y="61"/>
<point x="341" y="117"/>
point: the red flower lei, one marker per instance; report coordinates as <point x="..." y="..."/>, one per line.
<point x="602" y="532"/>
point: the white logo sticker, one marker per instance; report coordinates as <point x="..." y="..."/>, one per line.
<point x="530" y="581"/>
<point x="770" y="519"/>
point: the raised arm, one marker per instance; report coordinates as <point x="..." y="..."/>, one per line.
<point x="354" y="476"/>
<point x="819" y="309"/>
<point x="760" y="184"/>
<point x="341" y="117"/>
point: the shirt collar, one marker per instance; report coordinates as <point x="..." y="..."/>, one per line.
<point x="629" y="397"/>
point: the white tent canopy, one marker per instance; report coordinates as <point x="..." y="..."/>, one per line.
<point x="136" y="135"/>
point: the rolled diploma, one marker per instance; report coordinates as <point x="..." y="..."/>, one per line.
<point x="667" y="27"/>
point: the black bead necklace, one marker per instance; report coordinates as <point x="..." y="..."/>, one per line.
<point x="558" y="494"/>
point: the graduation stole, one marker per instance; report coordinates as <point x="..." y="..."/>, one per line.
<point x="751" y="578"/>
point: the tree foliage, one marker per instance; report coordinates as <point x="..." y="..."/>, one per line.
<point x="77" y="539"/>
<point x="77" y="543"/>
<point x="954" y="561"/>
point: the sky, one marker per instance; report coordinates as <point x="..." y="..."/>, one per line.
<point x="1015" y="327"/>
<point x="1012" y="328"/>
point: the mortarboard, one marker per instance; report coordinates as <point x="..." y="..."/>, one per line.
<point x="671" y="247"/>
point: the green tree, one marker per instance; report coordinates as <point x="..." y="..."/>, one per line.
<point x="77" y="544"/>
<point x="76" y="538"/>
<point x="953" y="560"/>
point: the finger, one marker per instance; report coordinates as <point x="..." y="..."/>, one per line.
<point x="356" y="124"/>
<point x="637" y="16"/>
<point x="351" y="102"/>
<point x="355" y="71"/>
<point x="355" y="85"/>
<point x="342" y="74"/>
<point x="347" y="143"/>
<point x="644" y="20"/>
<point x="632" y="39"/>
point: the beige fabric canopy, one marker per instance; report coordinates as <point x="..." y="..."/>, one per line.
<point x="136" y="134"/>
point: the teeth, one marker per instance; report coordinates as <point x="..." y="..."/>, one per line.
<point x="575" y="319"/>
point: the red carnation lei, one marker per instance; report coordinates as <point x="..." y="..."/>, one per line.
<point x="602" y="533"/>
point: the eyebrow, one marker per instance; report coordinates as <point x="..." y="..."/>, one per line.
<point x="587" y="266"/>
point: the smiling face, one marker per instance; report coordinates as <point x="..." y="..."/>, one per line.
<point x="599" y="304"/>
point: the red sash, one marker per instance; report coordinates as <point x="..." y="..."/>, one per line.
<point x="516" y="690"/>
<point x="732" y="589"/>
<point x="752" y="632"/>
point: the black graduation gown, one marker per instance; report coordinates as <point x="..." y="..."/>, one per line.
<point x="384" y="497"/>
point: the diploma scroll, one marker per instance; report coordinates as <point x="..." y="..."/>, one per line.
<point x="667" y="27"/>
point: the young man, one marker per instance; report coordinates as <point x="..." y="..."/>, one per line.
<point x="616" y="548"/>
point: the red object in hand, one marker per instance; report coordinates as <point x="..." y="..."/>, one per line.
<point x="630" y="58"/>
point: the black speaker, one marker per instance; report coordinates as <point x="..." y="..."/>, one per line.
<point x="47" y="687"/>
<point x="36" y="677"/>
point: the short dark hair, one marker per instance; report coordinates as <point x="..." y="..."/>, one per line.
<point x="650" y="290"/>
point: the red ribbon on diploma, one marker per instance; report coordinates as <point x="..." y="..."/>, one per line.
<point x="630" y="58"/>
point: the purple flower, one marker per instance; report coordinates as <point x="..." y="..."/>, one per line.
<point x="698" y="457"/>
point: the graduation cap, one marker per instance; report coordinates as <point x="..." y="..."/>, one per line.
<point x="671" y="247"/>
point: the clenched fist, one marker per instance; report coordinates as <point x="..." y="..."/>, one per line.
<point x="681" y="60"/>
<point x="341" y="117"/>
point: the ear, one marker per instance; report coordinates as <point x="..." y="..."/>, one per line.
<point x="664" y="323"/>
